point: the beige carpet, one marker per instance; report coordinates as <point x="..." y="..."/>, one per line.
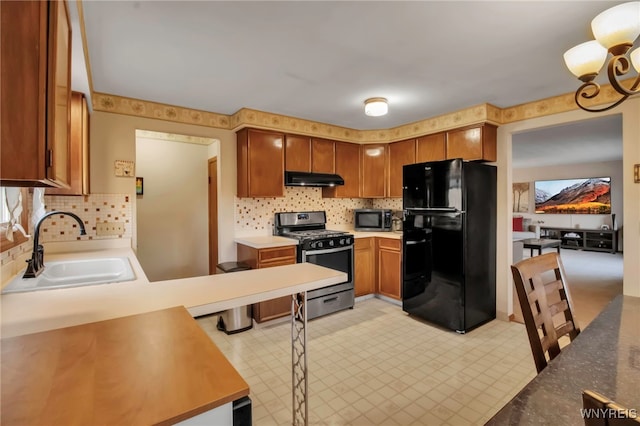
<point x="594" y="278"/>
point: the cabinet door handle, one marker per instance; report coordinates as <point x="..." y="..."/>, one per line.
<point x="332" y="299"/>
<point x="410" y="243"/>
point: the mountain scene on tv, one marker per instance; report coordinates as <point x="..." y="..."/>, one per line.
<point x="574" y="196"/>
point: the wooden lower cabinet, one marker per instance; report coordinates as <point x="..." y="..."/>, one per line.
<point x="389" y="267"/>
<point x="365" y="261"/>
<point x="267" y="258"/>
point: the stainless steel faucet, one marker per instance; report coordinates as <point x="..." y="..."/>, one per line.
<point x="35" y="265"/>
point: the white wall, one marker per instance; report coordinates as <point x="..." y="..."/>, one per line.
<point x="630" y="111"/>
<point x="172" y="214"/>
<point x="612" y="169"/>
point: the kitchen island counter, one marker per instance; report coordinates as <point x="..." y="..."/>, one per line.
<point x="35" y="311"/>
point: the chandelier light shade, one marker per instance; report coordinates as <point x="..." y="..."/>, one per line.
<point x="615" y="31"/>
<point x="617" y="26"/>
<point x="375" y="107"/>
<point x="586" y="59"/>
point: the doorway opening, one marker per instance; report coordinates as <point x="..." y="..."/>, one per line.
<point x="173" y="213"/>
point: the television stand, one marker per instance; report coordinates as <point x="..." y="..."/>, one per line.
<point x="583" y="239"/>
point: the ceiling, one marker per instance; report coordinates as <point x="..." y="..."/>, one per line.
<point x="594" y="140"/>
<point x="321" y="60"/>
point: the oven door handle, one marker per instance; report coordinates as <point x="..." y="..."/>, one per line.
<point x="305" y="253"/>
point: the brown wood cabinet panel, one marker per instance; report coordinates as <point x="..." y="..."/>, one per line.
<point x="431" y="148"/>
<point x="364" y="255"/>
<point x="389" y="268"/>
<point x="348" y="167"/>
<point x="35" y="52"/>
<point x="323" y="156"/>
<point x="59" y="90"/>
<point x="374" y="170"/>
<point x="260" y="168"/>
<point x="297" y="154"/>
<point x="400" y="153"/>
<point x="267" y="258"/>
<point x="276" y="254"/>
<point x="79" y="150"/>
<point x="473" y="143"/>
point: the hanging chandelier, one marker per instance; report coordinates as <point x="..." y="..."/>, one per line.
<point x="615" y="30"/>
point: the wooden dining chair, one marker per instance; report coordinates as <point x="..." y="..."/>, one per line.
<point x="538" y="281"/>
<point x="601" y="411"/>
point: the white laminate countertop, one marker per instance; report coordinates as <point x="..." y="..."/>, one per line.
<point x="266" y="241"/>
<point x="31" y="312"/>
<point x="394" y="235"/>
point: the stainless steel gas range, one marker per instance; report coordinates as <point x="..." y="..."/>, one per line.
<point x="324" y="247"/>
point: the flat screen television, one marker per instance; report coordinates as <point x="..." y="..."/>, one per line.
<point x="574" y="196"/>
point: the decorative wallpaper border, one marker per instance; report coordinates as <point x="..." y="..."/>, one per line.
<point x="148" y="109"/>
<point x="248" y="117"/>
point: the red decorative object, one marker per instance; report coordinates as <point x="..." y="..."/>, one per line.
<point x="517" y="223"/>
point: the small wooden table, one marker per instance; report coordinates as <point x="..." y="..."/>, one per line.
<point x="540" y="243"/>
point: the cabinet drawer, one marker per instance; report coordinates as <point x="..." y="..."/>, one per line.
<point x="363" y="243"/>
<point x="600" y="236"/>
<point x="389" y="243"/>
<point x="277" y="254"/>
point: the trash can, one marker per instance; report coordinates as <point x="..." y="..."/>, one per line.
<point x="237" y="319"/>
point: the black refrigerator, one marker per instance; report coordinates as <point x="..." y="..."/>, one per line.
<point x="449" y="243"/>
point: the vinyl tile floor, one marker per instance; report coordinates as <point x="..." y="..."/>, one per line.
<point x="375" y="365"/>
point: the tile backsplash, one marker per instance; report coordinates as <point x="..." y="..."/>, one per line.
<point x="92" y="209"/>
<point x="256" y="214"/>
<point x="387" y="203"/>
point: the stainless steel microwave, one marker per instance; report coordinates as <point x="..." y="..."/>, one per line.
<point x="372" y="220"/>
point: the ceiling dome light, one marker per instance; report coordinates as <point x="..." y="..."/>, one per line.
<point x="375" y="107"/>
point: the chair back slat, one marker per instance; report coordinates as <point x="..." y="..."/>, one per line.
<point x="602" y="411"/>
<point x="543" y="294"/>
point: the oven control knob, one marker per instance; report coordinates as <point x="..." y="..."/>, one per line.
<point x="312" y="245"/>
<point x="341" y="241"/>
<point x="331" y="243"/>
<point x="320" y="244"/>
<point x="348" y="240"/>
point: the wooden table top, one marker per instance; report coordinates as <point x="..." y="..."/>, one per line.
<point x="153" y="368"/>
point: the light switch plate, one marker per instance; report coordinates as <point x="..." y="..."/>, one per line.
<point x="110" y="228"/>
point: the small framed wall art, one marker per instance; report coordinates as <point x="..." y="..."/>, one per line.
<point x="139" y="186"/>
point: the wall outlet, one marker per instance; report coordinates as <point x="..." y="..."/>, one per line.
<point x="110" y="228"/>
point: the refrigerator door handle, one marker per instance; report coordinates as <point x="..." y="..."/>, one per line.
<point x="433" y="211"/>
<point x="410" y="243"/>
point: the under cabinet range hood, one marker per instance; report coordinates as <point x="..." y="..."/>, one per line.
<point x="311" y="179"/>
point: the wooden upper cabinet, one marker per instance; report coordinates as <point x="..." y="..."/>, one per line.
<point x="35" y="85"/>
<point x="347" y="160"/>
<point x="400" y="154"/>
<point x="431" y="148"/>
<point x="79" y="150"/>
<point x="473" y="143"/>
<point x="260" y="171"/>
<point x="297" y="154"/>
<point x="322" y="156"/>
<point x="373" y="170"/>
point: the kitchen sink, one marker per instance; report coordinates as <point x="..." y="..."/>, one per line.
<point x="75" y="273"/>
